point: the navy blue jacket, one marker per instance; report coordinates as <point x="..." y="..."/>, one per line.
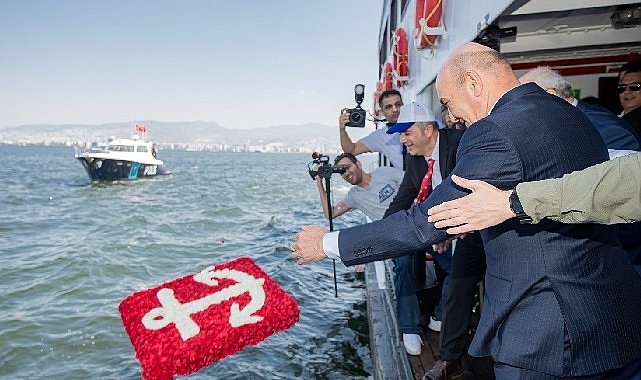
<point x="620" y="139"/>
<point x="616" y="132"/>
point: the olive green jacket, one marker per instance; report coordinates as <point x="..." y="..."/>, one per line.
<point x="606" y="193"/>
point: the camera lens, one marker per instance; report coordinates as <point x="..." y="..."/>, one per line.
<point x="355" y="117"/>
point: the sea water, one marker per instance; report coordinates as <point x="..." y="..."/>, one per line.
<point x="72" y="250"/>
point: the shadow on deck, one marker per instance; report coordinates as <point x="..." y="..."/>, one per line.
<point x="389" y="359"/>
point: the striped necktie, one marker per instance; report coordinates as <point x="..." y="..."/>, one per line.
<point x="426" y="184"/>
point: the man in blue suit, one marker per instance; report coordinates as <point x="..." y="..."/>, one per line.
<point x="561" y="301"/>
<point x="618" y="135"/>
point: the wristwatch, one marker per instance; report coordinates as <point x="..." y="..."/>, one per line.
<point x="517" y="208"/>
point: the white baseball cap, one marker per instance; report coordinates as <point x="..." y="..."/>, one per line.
<point x="410" y="114"/>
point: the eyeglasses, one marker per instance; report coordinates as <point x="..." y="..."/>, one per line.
<point x="632" y="86"/>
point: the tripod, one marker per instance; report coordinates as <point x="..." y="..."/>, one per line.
<point x="328" y="191"/>
<point x="325" y="170"/>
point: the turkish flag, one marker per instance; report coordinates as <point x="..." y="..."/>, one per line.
<point x="141" y="128"/>
<point x="188" y="323"/>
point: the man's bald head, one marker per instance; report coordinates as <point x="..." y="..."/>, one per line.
<point x="474" y="57"/>
<point x="472" y="79"/>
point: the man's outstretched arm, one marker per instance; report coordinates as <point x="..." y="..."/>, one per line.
<point x="606" y="193"/>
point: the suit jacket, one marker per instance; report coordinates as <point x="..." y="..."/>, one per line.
<point x="616" y="133"/>
<point x="416" y="166"/>
<point x="561" y="299"/>
<point x="634" y="119"/>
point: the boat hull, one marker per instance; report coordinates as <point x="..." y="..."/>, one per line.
<point x="101" y="169"/>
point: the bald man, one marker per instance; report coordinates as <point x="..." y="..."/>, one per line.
<point x="562" y="301"/>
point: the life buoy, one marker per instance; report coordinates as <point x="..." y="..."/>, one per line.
<point x="401" y="62"/>
<point x="428" y="16"/>
<point x="377" y="94"/>
<point x="388" y="77"/>
<point x="401" y="59"/>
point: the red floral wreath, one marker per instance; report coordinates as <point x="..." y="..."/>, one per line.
<point x="185" y="324"/>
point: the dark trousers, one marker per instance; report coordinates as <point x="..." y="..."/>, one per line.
<point x="468" y="267"/>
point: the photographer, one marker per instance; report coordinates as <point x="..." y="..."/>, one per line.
<point x="390" y="102"/>
<point x="371" y="193"/>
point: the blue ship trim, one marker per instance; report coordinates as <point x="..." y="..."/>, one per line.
<point x="134" y="170"/>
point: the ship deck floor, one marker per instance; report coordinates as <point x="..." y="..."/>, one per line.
<point x="390" y="361"/>
<point x="473" y="368"/>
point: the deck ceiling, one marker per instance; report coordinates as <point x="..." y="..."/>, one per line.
<point x="566" y="29"/>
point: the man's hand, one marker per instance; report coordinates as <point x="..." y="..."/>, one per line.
<point x="319" y="180"/>
<point x="485" y="207"/>
<point x="343" y="119"/>
<point x="442" y="246"/>
<point x="445" y="244"/>
<point x="307" y="245"/>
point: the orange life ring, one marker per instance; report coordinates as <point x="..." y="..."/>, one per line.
<point x="428" y="14"/>
<point x="388" y="77"/>
<point x="401" y="63"/>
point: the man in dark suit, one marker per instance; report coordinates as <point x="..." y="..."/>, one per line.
<point x="561" y="301"/>
<point x="419" y="133"/>
<point x="425" y="142"/>
<point x="618" y="135"/>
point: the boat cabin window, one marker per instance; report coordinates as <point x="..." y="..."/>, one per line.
<point x="121" y="148"/>
<point x="393" y="18"/>
<point x="142" y="148"/>
<point x="404" y="6"/>
<point x="382" y="53"/>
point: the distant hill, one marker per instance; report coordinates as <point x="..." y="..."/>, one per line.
<point x="191" y="132"/>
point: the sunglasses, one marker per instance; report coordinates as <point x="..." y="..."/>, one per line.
<point x="632" y="86"/>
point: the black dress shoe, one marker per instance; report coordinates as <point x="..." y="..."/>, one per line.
<point x="443" y="370"/>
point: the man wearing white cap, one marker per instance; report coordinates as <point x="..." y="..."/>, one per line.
<point x="432" y="156"/>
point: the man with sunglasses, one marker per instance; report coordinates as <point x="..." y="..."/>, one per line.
<point x="629" y="94"/>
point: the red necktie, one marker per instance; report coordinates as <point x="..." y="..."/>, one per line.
<point x="426" y="185"/>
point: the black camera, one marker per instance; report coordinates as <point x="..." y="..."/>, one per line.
<point x="357" y="115"/>
<point x="325" y="169"/>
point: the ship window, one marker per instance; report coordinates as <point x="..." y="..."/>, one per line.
<point x="382" y="54"/>
<point x="393" y="18"/>
<point x="403" y="6"/>
<point x="122" y="148"/>
<point x="142" y="148"/>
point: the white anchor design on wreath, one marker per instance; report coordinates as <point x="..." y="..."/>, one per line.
<point x="172" y="311"/>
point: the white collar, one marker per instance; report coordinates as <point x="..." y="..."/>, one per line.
<point x="435" y="152"/>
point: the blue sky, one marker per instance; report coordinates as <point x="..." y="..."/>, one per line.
<point x="242" y="63"/>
